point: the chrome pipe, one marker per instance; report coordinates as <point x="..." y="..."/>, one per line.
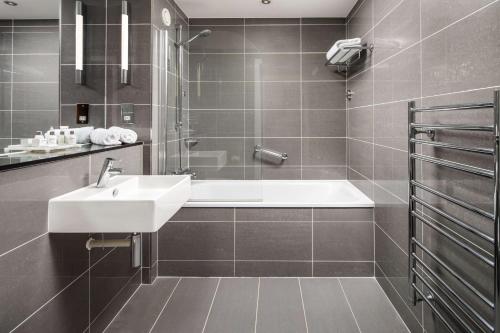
<point x="270" y="152"/>
<point x="496" y="200"/>
<point x="464" y="303"/>
<point x="134" y="243"/>
<point x="487" y="151"/>
<point x="433" y="308"/>
<point x="455" y="165"/>
<point x="411" y="204"/>
<point x="457" y="276"/>
<point x="455" y="220"/>
<point x="455" y="107"/>
<point x="451" y="199"/>
<point x="445" y="304"/>
<point x="437" y="226"/>
<point x="460" y="127"/>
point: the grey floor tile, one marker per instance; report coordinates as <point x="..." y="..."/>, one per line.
<point x="326" y="308"/>
<point x="234" y="307"/>
<point x="188" y="308"/>
<point x="141" y="311"/>
<point x="370" y="305"/>
<point x="280" y="307"/>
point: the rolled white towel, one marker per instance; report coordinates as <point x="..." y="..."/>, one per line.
<point x="104" y="137"/>
<point x="82" y="134"/>
<point x="126" y="135"/>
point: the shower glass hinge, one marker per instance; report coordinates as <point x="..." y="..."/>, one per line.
<point x="348" y="94"/>
<point x="178" y="125"/>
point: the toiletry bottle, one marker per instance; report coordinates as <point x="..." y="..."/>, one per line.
<point x="39" y="139"/>
<point x="52" y="138"/>
<point x="71" y="138"/>
<point x="60" y="137"/>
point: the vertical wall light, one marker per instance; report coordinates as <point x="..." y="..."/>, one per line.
<point x="78" y="42"/>
<point x="124" y="51"/>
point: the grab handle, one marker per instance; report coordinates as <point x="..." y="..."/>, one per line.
<point x="270" y="152"/>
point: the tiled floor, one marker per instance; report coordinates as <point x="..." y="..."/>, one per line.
<point x="270" y="305"/>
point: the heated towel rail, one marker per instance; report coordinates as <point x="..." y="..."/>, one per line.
<point x="427" y="284"/>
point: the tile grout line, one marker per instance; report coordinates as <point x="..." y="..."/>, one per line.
<point x="61" y="291"/>
<point x="119" y="311"/>
<point x="211" y="305"/>
<point x="165" y="305"/>
<point x="234" y="241"/>
<point x="23" y="244"/>
<point x="257" y="306"/>
<point x="349" y="304"/>
<point x="301" y="102"/>
<point x="392" y="305"/>
<point x="312" y="242"/>
<point x="303" y="306"/>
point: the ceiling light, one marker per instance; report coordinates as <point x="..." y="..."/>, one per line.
<point x="266" y="2"/>
<point x="10" y="3"/>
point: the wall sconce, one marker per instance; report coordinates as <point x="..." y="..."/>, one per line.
<point x="79" y="42"/>
<point x="124" y="50"/>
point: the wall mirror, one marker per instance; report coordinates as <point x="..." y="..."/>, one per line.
<point x="29" y="68"/>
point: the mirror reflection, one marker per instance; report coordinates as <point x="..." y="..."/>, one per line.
<point x="29" y="68"/>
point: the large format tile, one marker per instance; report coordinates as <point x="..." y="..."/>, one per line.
<point x="323" y="95"/>
<point x="323" y="123"/>
<point x="34" y="68"/>
<point x="272" y="95"/>
<point x="196" y="241"/>
<point x="216" y="95"/>
<point x="234" y="307"/>
<point x="273" y="241"/>
<point x="280" y="306"/>
<point x="343" y="241"/>
<point x="224" y="39"/>
<point x="188" y="308"/>
<point x="372" y="309"/>
<point x="272" y="67"/>
<point x="278" y="38"/>
<point x="319" y="38"/>
<point x="216" y="67"/>
<point x="326" y="307"/>
<point x="273" y="214"/>
<point x="262" y="268"/>
<point x="144" y="307"/>
<point x="196" y="268"/>
<point x="314" y="153"/>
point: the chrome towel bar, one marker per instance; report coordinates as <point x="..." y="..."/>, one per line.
<point x="270" y="152"/>
<point x="427" y="284"/>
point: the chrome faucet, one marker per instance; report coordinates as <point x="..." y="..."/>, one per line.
<point x="107" y="172"/>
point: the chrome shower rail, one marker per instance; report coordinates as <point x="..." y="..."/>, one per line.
<point x="425" y="275"/>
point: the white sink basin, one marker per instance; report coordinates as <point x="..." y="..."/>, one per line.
<point x="127" y="204"/>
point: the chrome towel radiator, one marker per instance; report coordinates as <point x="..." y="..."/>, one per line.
<point x="426" y="284"/>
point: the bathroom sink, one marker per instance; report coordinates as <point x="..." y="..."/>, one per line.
<point x="127" y="204"/>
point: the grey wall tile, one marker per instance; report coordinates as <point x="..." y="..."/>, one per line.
<point x="391" y="214"/>
<point x="35" y="96"/>
<point x="267" y="21"/>
<point x="361" y="157"/>
<point x="273" y="214"/>
<point x="454" y="73"/>
<point x="234" y="307"/>
<point x="361" y="123"/>
<point x="216" y="67"/>
<point x="139" y="44"/>
<point x="204" y="215"/>
<point x="36" y="40"/>
<point x="196" y="241"/>
<point x="391" y="170"/>
<point x="313" y="68"/>
<point x="26" y="123"/>
<point x="398" y="30"/>
<point x="273" y="268"/>
<point x="319" y="38"/>
<point x="391" y="125"/>
<point x="216" y="95"/>
<point x="273" y="241"/>
<point x="343" y="241"/>
<point x="224" y="39"/>
<point x="196" y="268"/>
<point x="35" y="68"/>
<point x="313" y="152"/>
<point x="5" y="68"/>
<point x="232" y="148"/>
<point x="286" y="318"/>
<point x="361" y="20"/>
<point x="324" y="123"/>
<point x="140" y="12"/>
<point x="96" y="116"/>
<point x="343" y="268"/>
<point x="5" y="124"/>
<point x="280" y="38"/>
<point x="272" y="95"/>
<point x="92" y="92"/>
<point x="216" y="21"/>
<point x="322" y="172"/>
<point x="362" y="87"/>
<point x="343" y="214"/>
<point x="6" y="40"/>
<point x="216" y="123"/>
<point x="272" y="67"/>
<point x="273" y="123"/>
<point x="323" y="95"/>
<point x="137" y="92"/>
<point x="94" y="44"/>
<point x="95" y="10"/>
<point x="189" y="292"/>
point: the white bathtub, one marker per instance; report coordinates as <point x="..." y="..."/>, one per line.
<point x="276" y="193"/>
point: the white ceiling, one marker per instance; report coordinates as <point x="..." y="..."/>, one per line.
<point x="255" y="8"/>
<point x="30" y="9"/>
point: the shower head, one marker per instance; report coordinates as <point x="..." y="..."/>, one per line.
<point x="203" y="33"/>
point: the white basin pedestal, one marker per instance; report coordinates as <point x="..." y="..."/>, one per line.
<point x="128" y="204"/>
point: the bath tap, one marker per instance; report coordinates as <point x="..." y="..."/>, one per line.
<point x="107" y="172"/>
